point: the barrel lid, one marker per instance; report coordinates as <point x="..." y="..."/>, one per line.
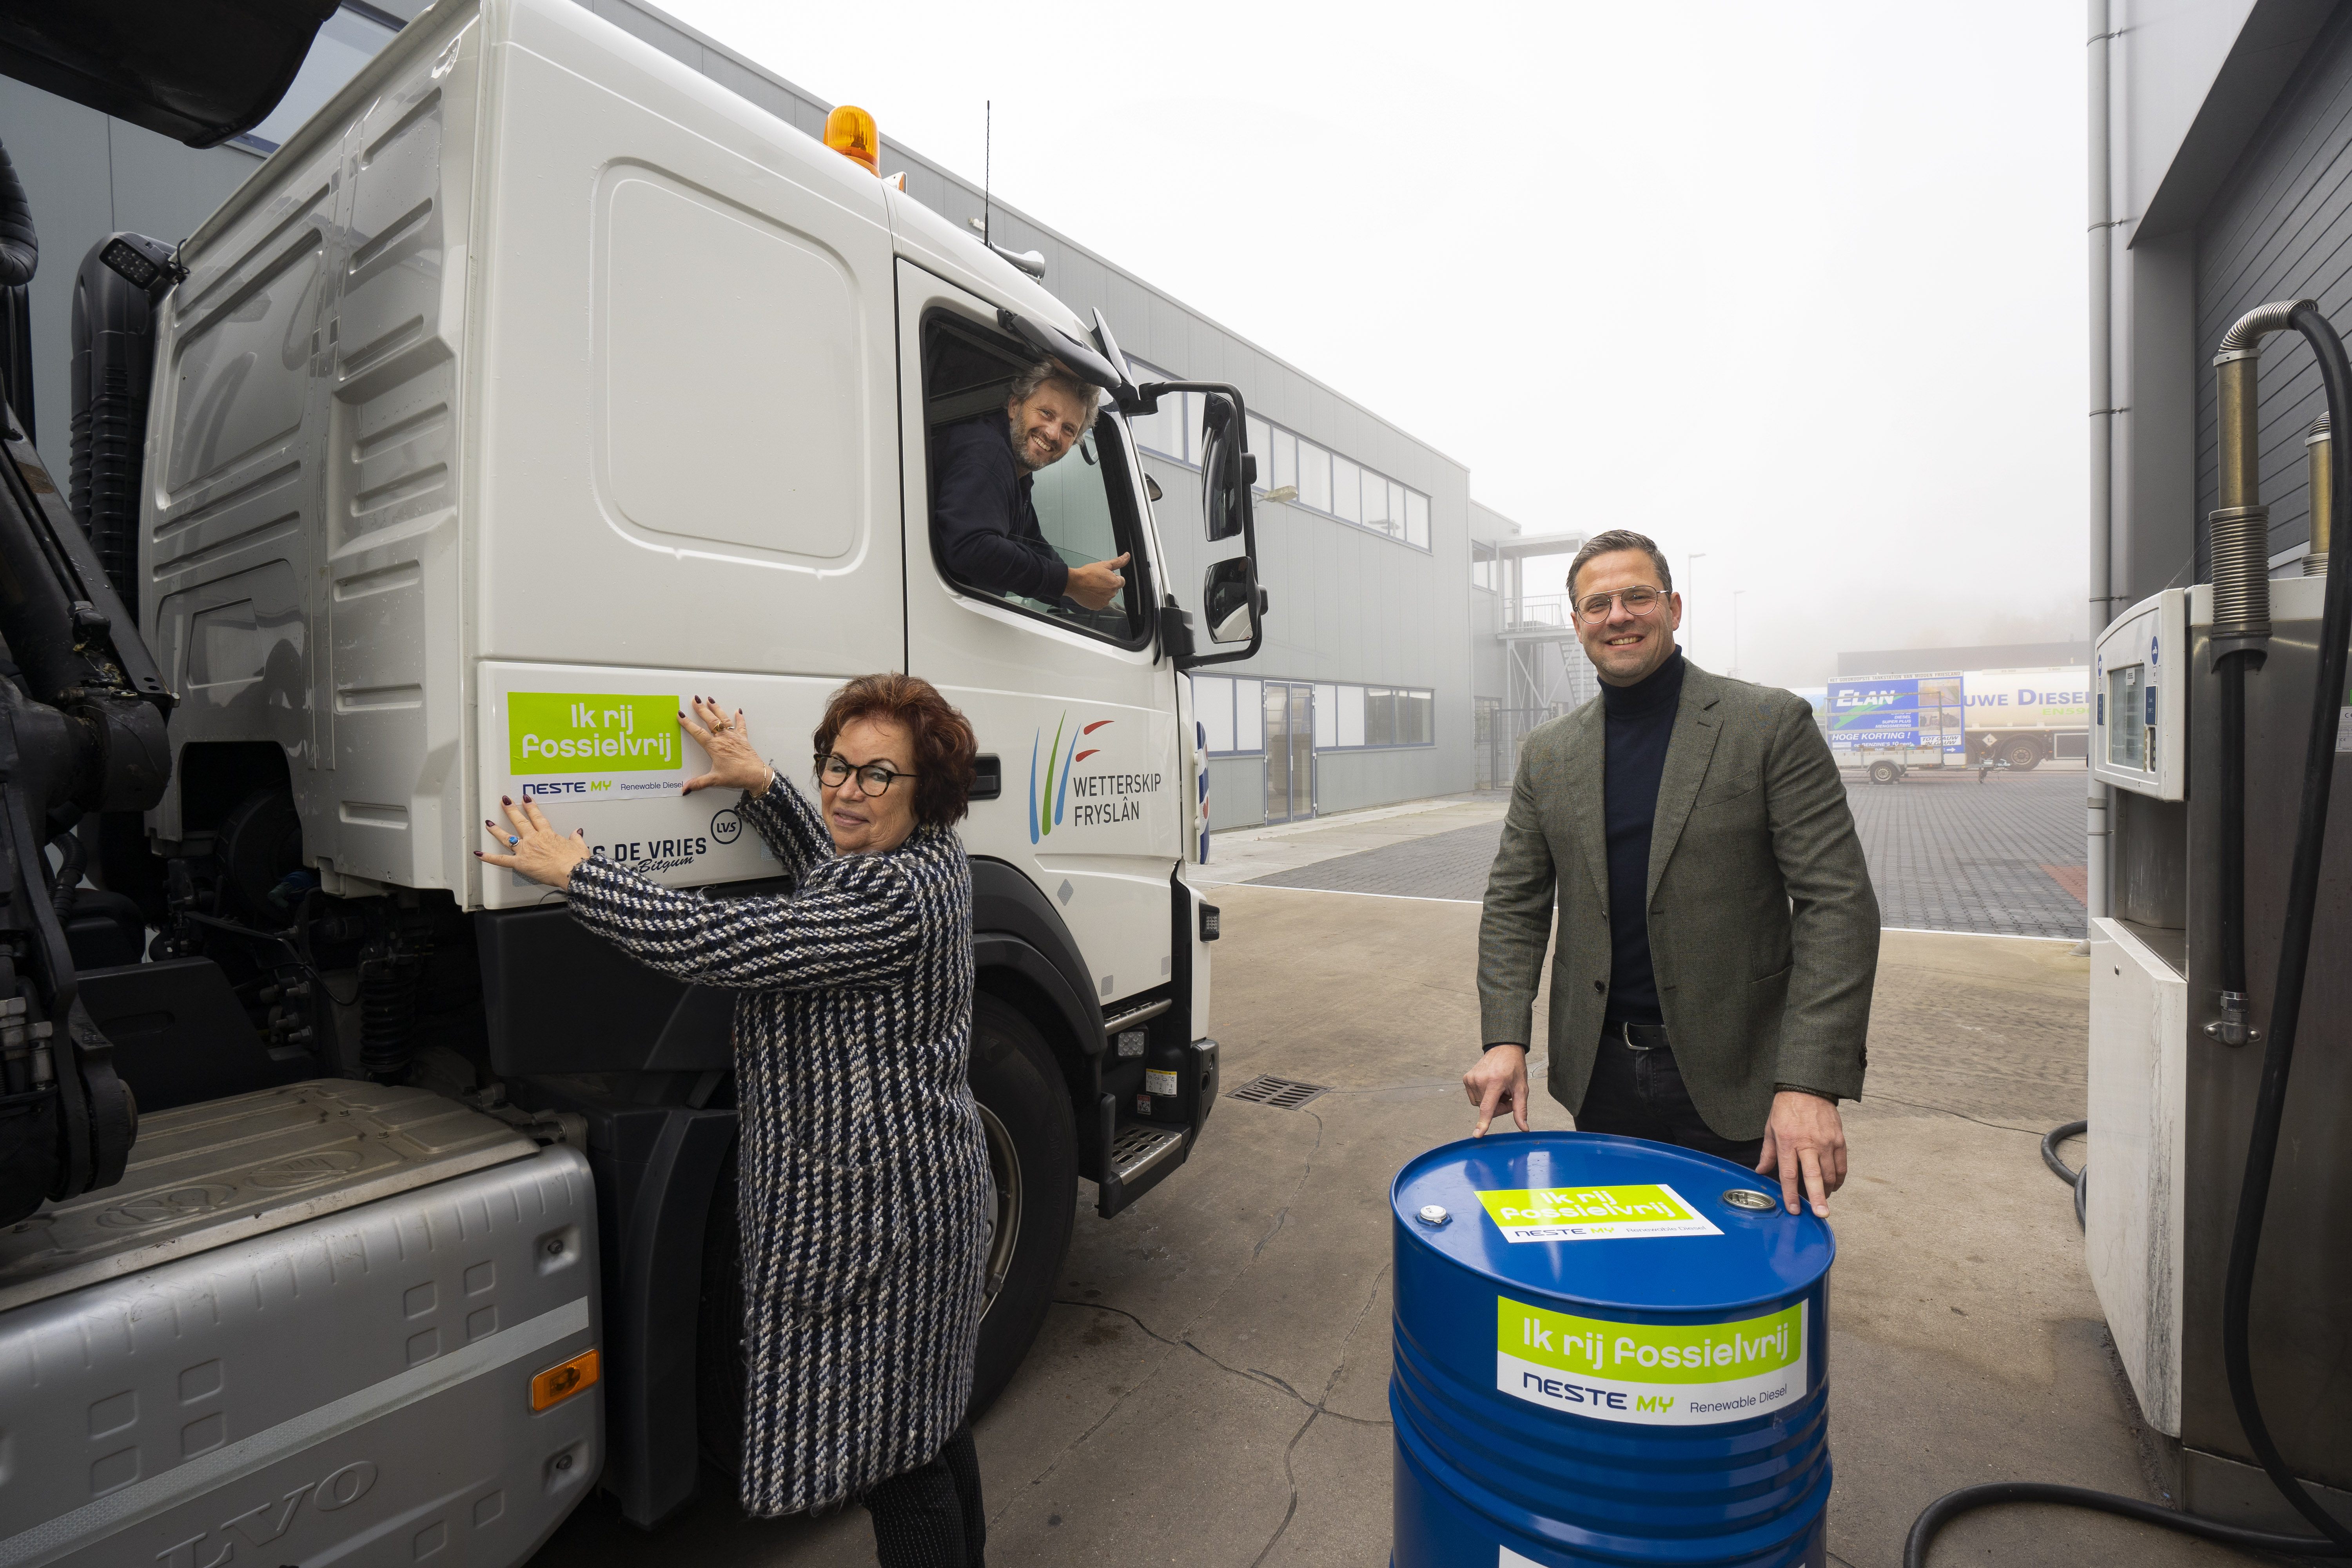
<point x="1610" y="1222"/>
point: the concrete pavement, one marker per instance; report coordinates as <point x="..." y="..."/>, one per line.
<point x="1211" y="1386"/>
<point x="1249" y="854"/>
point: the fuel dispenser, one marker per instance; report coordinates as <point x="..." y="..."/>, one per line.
<point x="2219" y="1180"/>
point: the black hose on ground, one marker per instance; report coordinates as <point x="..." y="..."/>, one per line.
<point x="2078" y="1180"/>
<point x="2335" y="1539"/>
<point x="1951" y="1505"/>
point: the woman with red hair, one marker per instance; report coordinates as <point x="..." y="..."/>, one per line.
<point x="863" y="1170"/>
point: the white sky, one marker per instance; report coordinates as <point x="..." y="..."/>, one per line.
<point x="1801" y="286"/>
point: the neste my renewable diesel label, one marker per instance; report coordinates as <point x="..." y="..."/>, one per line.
<point x="1651" y="1374"/>
<point x="607" y="743"/>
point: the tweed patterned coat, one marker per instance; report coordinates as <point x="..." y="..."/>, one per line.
<point x="865" y="1181"/>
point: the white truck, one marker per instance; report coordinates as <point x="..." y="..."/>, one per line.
<point x="2025" y="717"/>
<point x="1891" y="724"/>
<point x="535" y="384"/>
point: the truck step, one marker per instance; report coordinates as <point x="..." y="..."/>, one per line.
<point x="1140" y="1148"/>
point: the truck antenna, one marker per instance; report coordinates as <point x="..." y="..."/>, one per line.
<point x="987" y="140"/>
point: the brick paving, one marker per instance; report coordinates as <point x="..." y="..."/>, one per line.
<point x="2004" y="858"/>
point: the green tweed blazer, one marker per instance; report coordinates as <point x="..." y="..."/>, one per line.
<point x="1763" y="926"/>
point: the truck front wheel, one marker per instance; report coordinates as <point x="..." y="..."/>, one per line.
<point x="1033" y="1160"/>
<point x="1883" y="772"/>
<point x="1032" y="1163"/>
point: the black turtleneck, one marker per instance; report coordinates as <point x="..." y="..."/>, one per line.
<point x="1640" y="718"/>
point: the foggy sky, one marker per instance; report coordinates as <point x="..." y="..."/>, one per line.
<point x="1798" y="285"/>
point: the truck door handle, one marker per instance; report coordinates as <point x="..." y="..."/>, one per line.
<point x="987" y="777"/>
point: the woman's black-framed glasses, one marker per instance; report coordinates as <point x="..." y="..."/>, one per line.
<point x="873" y="779"/>
<point x="1637" y="602"/>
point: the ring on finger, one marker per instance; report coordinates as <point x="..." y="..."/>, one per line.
<point x="513" y="839"/>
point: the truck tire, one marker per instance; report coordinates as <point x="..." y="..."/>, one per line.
<point x="1883" y="772"/>
<point x="2023" y="754"/>
<point x="1033" y="1159"/>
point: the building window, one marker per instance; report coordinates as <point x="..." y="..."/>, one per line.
<point x="1314" y="477"/>
<point x="1485" y="568"/>
<point x="1348" y="717"/>
<point x="1338" y="487"/>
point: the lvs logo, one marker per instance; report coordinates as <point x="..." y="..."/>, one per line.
<point x="1054" y="790"/>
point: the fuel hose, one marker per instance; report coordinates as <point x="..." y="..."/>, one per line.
<point x="2335" y="1539"/>
<point x="2078" y="1180"/>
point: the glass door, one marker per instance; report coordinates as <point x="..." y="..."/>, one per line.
<point x="1289" y="751"/>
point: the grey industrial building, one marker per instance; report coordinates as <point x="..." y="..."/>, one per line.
<point x="1365" y="691"/>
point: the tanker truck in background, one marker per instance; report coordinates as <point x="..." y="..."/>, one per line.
<point x="1890" y="724"/>
<point x="353" y="1202"/>
<point x="2023" y="718"/>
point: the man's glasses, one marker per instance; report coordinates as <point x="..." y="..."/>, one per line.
<point x="1637" y="602"/>
<point x="873" y="779"/>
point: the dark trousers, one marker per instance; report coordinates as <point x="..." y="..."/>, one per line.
<point x="1641" y="1094"/>
<point x="931" y="1517"/>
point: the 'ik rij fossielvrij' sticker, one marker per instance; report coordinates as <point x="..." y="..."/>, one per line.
<point x="1652" y="1375"/>
<point x="595" y="744"/>
<point x="1593" y="1213"/>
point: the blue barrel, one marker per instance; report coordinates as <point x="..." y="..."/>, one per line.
<point x="1607" y="1350"/>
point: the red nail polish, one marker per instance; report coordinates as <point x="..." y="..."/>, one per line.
<point x="504" y="800"/>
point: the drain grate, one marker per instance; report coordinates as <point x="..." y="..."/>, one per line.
<point x="1281" y="1093"/>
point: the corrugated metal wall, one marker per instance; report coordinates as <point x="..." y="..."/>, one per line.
<point x="2280" y="228"/>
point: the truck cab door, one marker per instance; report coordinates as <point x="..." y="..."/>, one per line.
<point x="1077" y="709"/>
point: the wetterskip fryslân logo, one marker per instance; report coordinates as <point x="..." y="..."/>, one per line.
<point x="1049" y="796"/>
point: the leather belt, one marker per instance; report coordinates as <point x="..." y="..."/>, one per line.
<point x="1643" y="1036"/>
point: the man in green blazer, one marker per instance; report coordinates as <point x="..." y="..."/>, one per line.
<point x="1717" y="934"/>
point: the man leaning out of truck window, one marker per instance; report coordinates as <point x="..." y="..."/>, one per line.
<point x="981" y="503"/>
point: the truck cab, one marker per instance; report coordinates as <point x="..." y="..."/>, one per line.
<point x="537" y="383"/>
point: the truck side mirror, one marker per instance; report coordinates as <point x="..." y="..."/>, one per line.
<point x="1232" y="600"/>
<point x="1226" y="471"/>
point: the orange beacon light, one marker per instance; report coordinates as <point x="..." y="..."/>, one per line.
<point x="850" y="131"/>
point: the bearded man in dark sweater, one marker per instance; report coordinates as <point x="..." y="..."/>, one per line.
<point x="981" y="503"/>
<point x="1717" y="934"/>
